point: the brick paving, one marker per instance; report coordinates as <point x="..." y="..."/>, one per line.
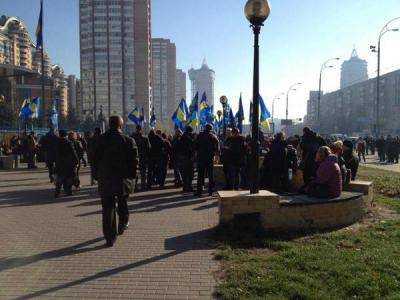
<point x="54" y="248"/>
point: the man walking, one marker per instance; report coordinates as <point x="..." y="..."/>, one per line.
<point x="66" y="164"/>
<point x="207" y="146"/>
<point x="115" y="164"/>
<point x="49" y="145"/>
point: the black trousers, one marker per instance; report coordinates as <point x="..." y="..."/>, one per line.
<point x="204" y="168"/>
<point x="187" y="174"/>
<point x="109" y="204"/>
<point x="51" y="166"/>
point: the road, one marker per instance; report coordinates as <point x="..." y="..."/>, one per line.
<point x="54" y="248"/>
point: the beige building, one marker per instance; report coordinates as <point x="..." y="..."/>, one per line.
<point x="164" y="80"/>
<point x="203" y="81"/>
<point x="180" y="87"/>
<point x="115" y="46"/>
<point x="22" y="64"/>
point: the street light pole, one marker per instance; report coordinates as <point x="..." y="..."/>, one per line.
<point x="278" y="97"/>
<point x="323" y="67"/>
<point x="256" y="11"/>
<point x="292" y="88"/>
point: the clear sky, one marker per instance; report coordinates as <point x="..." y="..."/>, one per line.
<point x="296" y="39"/>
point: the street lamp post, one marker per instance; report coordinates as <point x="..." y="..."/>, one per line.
<point x="292" y="88"/>
<point x="278" y="97"/>
<point x="384" y="30"/>
<point x="224" y="103"/>
<point x="323" y="67"/>
<point x="219" y="115"/>
<point x="256" y="11"/>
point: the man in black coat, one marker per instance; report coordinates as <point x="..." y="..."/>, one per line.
<point x="237" y="149"/>
<point x="157" y="150"/>
<point x="143" y="145"/>
<point x="66" y="164"/>
<point x="49" y="144"/>
<point x="186" y="154"/>
<point x="207" y="146"/>
<point x="115" y="164"/>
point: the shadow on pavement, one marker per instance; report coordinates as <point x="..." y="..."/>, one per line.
<point x="40" y="197"/>
<point x="12" y="263"/>
<point x="152" y="203"/>
<point x="177" y="245"/>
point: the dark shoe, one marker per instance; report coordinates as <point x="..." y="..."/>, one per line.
<point x="110" y="243"/>
<point x="56" y="195"/>
<point x="122" y="228"/>
<point x="197" y="194"/>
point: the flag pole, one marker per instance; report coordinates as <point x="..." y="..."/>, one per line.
<point x="42" y="54"/>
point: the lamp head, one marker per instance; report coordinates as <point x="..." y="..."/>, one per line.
<point x="395" y="29"/>
<point x="219" y="113"/>
<point x="223" y="100"/>
<point x="257" y="11"/>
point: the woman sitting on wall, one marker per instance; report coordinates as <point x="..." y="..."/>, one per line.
<point x="328" y="183"/>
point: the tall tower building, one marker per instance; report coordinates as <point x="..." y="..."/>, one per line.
<point x="180" y="87"/>
<point x="115" y="40"/>
<point x="203" y="81"/>
<point x="354" y="70"/>
<point x="164" y="80"/>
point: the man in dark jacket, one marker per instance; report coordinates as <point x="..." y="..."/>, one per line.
<point x="309" y="146"/>
<point x="186" y="155"/>
<point x="115" y="163"/>
<point x="207" y="147"/>
<point x="91" y="149"/>
<point x="66" y="164"/>
<point x="49" y="144"/>
<point x="237" y="148"/>
<point x="156" y="155"/>
<point x="350" y="158"/>
<point x="73" y="137"/>
<point x="143" y="145"/>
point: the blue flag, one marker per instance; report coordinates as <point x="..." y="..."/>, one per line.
<point x="135" y="117"/>
<point x="153" y="120"/>
<point x="180" y="115"/>
<point x="264" y="114"/>
<point x="231" y="119"/>
<point x="39" y="29"/>
<point x="240" y="115"/>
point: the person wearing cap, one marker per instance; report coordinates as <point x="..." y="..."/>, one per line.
<point x="207" y="147"/>
<point x="350" y="158"/>
<point x="175" y="158"/>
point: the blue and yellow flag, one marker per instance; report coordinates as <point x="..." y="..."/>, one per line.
<point x="39" y="29"/>
<point x="30" y="109"/>
<point x="180" y="115"/>
<point x="194" y="105"/>
<point x="153" y="120"/>
<point x="135" y="116"/>
<point x="264" y="114"/>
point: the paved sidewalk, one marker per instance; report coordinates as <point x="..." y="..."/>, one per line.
<point x="54" y="248"/>
<point x="373" y="162"/>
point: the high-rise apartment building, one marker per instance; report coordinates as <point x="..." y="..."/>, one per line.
<point x="180" y="87"/>
<point x="164" y="80"/>
<point x="354" y="70"/>
<point x="203" y="81"/>
<point x="115" y="39"/>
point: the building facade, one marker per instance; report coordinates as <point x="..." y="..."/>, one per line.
<point x="115" y="39"/>
<point x="180" y="87"/>
<point x="164" y="80"/>
<point x="20" y="66"/>
<point x="203" y="81"/>
<point x="352" y="110"/>
<point x="353" y="71"/>
<point x="312" y="109"/>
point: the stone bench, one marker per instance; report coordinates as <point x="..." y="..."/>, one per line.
<point x="292" y="212"/>
<point x="364" y="187"/>
<point x="7" y="162"/>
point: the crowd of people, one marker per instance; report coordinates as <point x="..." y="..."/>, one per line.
<point x="121" y="164"/>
